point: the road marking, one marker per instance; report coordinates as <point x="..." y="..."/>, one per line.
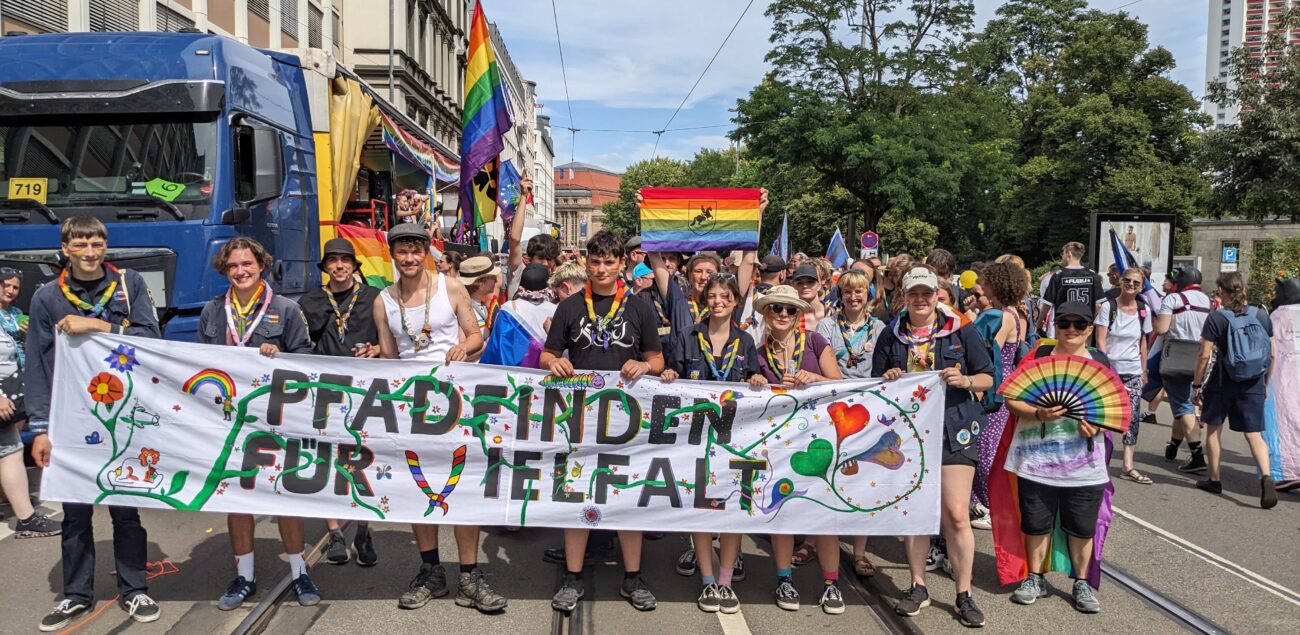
<point x="734" y="623"/>
<point x="1213" y="558"/>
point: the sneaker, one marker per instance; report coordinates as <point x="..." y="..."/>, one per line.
<point x="832" y="601"/>
<point x="728" y="603"/>
<point x="686" y="563"/>
<point x="636" y="591"/>
<point x="980" y="518"/>
<point x="1194" y="464"/>
<point x="1031" y="588"/>
<point x="555" y="555"/>
<point x="141" y="608"/>
<point x="709" y="600"/>
<point x="947" y="565"/>
<point x="738" y="569"/>
<point x="63" y="613"/>
<point x="936" y="559"/>
<point x="364" y="543"/>
<point x="239" y="590"/>
<point x="1085" y="601"/>
<point x="566" y="599"/>
<point x="474" y="592"/>
<point x="429" y="583"/>
<point x="1213" y="487"/>
<point x="1171" y="451"/>
<point x="37" y="526"/>
<point x="969" y="614"/>
<point x="336" y="550"/>
<point x="1268" y="493"/>
<point x="1147" y="417"/>
<point x="305" y="589"/>
<point x="786" y="596"/>
<point x="915" y="598"/>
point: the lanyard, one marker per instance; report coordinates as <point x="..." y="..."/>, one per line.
<point x="341" y="318"/>
<point x="796" y="359"/>
<point x="424" y="337"/>
<point x="601" y="325"/>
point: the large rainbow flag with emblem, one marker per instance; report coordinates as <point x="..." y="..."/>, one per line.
<point x="486" y="121"/>
<point x="699" y="219"/>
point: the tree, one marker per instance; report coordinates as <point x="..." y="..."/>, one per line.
<point x="1255" y="164"/>
<point x="623" y="217"/>
<point x="907" y="235"/>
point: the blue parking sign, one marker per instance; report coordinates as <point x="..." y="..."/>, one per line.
<point x="1229" y="254"/>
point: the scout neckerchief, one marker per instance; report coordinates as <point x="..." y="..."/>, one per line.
<point x="796" y="358"/>
<point x="728" y="356"/>
<point x="341" y="318"/>
<point x="856" y="353"/>
<point x="11" y="323"/>
<point x="601" y="326"/>
<point x="239" y="326"/>
<point x="920" y="353"/>
<point x="699" y="311"/>
<point x="422" y="338"/>
<point x="88" y="310"/>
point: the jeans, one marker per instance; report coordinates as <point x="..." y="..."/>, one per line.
<point x="130" y="546"/>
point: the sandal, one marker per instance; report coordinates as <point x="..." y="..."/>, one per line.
<point x="1136" y="477"/>
<point x="863" y="567"/>
<point x="804" y="554"/>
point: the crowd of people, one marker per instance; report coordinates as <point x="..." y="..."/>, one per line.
<point x="704" y="317"/>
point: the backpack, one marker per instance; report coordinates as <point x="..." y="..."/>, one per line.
<point x="1113" y="304"/>
<point x="1249" y="352"/>
<point x="987" y="324"/>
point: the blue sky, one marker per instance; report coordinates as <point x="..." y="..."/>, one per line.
<point x="630" y="63"/>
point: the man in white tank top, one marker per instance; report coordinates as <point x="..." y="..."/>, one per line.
<point x="428" y="317"/>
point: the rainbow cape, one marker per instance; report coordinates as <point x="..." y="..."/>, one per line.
<point x="1004" y="505"/>
<point x="486" y="120"/>
<point x="699" y="219"/>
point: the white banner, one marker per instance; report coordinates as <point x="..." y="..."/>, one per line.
<point x="208" y="428"/>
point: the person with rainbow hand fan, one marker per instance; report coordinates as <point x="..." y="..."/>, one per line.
<point x="1049" y="489"/>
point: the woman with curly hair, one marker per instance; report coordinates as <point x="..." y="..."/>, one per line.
<point x="1005" y="285"/>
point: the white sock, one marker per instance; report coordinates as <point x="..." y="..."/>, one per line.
<point x="244" y="566"/>
<point x="297" y="566"/>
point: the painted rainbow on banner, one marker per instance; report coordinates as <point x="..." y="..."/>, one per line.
<point x="372" y="251"/>
<point x="210" y="377"/>
<point x="485" y="121"/>
<point x="699" y="219"/>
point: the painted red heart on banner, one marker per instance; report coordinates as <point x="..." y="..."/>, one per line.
<point x="848" y="420"/>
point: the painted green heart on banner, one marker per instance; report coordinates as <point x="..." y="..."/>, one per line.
<point x="815" y="460"/>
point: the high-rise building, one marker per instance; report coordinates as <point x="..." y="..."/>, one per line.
<point x="1233" y="24"/>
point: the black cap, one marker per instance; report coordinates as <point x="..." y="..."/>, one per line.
<point x="337" y="246"/>
<point x="534" y="278"/>
<point x="806" y="271"/>
<point x="773" y="264"/>
<point x="1286" y="292"/>
<point x="632" y="243"/>
<point x="1186" y="277"/>
<point x="1075" y="308"/>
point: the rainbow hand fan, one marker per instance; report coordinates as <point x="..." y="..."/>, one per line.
<point x="1087" y="389"/>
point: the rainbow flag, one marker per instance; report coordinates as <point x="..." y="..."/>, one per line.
<point x="486" y="120"/>
<point x="699" y="219"/>
<point x="372" y="251"/>
<point x="417" y="152"/>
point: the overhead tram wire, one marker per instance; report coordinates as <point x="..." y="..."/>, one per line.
<point x="659" y="133"/>
<point x="573" y="130"/>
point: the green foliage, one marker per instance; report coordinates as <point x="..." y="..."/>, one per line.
<point x="1270" y="259"/>
<point x="1255" y="164"/>
<point x="900" y="235"/>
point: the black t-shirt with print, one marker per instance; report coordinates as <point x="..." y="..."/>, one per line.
<point x="1074" y="285"/>
<point x="631" y="337"/>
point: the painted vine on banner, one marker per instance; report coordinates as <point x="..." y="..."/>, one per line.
<point x="201" y="428"/>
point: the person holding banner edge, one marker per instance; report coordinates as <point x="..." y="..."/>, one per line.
<point x="91" y="296"/>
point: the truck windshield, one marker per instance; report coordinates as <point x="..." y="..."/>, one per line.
<point x="108" y="164"/>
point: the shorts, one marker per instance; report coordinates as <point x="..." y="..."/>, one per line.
<point x="1134" y="385"/>
<point x="1155" y="383"/>
<point x="1244" y="411"/>
<point x="10" y="441"/>
<point x="1179" y="393"/>
<point x="1077" y="506"/>
<point x="969" y="455"/>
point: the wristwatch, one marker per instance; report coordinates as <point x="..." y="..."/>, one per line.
<point x="1196" y="386"/>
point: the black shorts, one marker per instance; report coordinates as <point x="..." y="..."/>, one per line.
<point x="969" y="455"/>
<point x="1243" y="411"/>
<point x="1078" y="506"/>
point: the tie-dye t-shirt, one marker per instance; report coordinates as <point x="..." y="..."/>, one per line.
<point x="1054" y="453"/>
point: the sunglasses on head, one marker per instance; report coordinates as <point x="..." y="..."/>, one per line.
<point x="1076" y="324"/>
<point x="783" y="309"/>
<point x="9" y="272"/>
<point x="722" y="276"/>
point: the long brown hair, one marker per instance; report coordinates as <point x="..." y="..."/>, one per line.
<point x="1232" y="292"/>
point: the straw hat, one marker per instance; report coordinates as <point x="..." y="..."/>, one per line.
<point x="474" y="268"/>
<point x="781" y="294"/>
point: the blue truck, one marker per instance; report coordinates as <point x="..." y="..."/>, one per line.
<point x="177" y="142"/>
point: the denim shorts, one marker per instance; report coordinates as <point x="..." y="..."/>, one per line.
<point x="1179" y="393"/>
<point x="1244" y="412"/>
<point x="10" y="441"/>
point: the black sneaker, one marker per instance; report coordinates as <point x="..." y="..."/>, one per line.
<point x="636" y="591"/>
<point x="935" y="559"/>
<point x="709" y="601"/>
<point x="832" y="601"/>
<point x="364" y="543"/>
<point x="1171" y="451"/>
<point x="571" y="591"/>
<point x="787" y="597"/>
<point x="305" y="589"/>
<point x="969" y="614"/>
<point x="1213" y="487"/>
<point x="141" y="608"/>
<point x="63" y="613"/>
<point x="1194" y="464"/>
<point x="429" y="583"/>
<point x="728" y="603"/>
<point x="473" y="591"/>
<point x="37" y="526"/>
<point x="555" y="555"/>
<point x="1268" y="493"/>
<point x="336" y="550"/>
<point x="686" y="563"/>
<point x="915" y="598"/>
<point x="1148" y="417"/>
<point x="738" y="569"/>
<point x="238" y="591"/>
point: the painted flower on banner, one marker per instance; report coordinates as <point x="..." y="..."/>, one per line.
<point x="591" y="515"/>
<point x="122" y="359"/>
<point x="105" y="388"/>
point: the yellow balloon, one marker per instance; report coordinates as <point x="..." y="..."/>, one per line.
<point x="968" y="279"/>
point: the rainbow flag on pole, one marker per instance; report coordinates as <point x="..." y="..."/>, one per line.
<point x="486" y="120"/>
<point x="699" y="219"/>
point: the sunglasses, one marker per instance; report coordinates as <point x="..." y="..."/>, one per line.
<point x="9" y="272"/>
<point x="1067" y="324"/>
<point x="1132" y="283"/>
<point x="722" y="276"/>
<point x="783" y="309"/>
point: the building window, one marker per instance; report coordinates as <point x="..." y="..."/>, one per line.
<point x="337" y="25"/>
<point x="45" y="15"/>
<point x="289" y="18"/>
<point x="260" y="8"/>
<point x="315" y="18"/>
<point x="170" y="20"/>
<point x="114" y="15"/>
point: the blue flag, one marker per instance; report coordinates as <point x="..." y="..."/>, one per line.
<point x="781" y="246"/>
<point x="836" y="251"/>
<point x="1125" y="260"/>
<point x="509" y="190"/>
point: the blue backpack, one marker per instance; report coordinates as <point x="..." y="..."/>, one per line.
<point x="1249" y="352"/>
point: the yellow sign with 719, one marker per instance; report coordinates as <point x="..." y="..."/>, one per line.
<point x="31" y="188"/>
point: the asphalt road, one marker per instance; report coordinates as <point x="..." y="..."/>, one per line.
<point x="1220" y="556"/>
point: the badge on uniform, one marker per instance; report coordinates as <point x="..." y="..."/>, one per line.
<point x="665" y="330"/>
<point x="120" y="295"/>
<point x="695" y="374"/>
<point x="272" y="318"/>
